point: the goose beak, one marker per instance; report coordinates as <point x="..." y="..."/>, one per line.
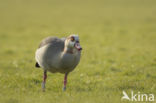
<point x="78" y="47"/>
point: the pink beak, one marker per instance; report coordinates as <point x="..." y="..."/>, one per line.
<point x="78" y="47"/>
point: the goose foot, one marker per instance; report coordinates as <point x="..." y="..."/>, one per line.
<point x="43" y="87"/>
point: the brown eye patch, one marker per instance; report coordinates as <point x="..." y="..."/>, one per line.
<point x="72" y="39"/>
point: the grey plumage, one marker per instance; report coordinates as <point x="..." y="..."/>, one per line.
<point x="51" y="40"/>
<point x="50" y="56"/>
<point x="58" y="55"/>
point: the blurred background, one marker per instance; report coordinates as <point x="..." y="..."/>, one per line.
<point x="118" y="39"/>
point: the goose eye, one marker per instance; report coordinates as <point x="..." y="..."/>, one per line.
<point x="72" y="38"/>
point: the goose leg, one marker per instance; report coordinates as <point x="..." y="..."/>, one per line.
<point x="65" y="81"/>
<point x="44" y="80"/>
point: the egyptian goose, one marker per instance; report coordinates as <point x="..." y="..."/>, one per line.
<point x="58" y="55"/>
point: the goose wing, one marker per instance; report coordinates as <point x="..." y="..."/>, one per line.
<point x="53" y="41"/>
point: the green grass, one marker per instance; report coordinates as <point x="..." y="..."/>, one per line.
<point x="119" y="49"/>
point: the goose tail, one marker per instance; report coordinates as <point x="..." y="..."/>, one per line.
<point x="37" y="65"/>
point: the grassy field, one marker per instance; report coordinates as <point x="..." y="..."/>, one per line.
<point x="119" y="49"/>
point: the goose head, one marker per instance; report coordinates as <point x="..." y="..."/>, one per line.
<point x="72" y="43"/>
